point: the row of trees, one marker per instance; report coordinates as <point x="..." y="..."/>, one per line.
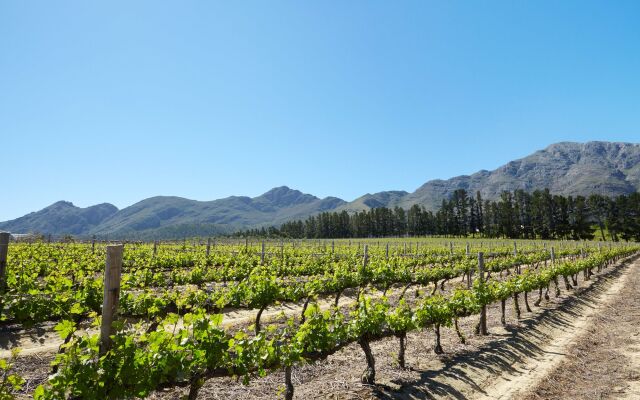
<point x="517" y="214"/>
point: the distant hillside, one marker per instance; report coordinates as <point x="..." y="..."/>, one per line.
<point x="161" y="213"/>
<point x="376" y="200"/>
<point x="61" y="217"/>
<point x="565" y="168"/>
<point x="167" y="217"/>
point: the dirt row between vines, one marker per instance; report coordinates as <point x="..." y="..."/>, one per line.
<point x="604" y="361"/>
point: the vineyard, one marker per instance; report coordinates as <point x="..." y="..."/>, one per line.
<point x="179" y="315"/>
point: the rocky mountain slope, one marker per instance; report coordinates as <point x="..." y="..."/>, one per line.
<point x="565" y="168"/>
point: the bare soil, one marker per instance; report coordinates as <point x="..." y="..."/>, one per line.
<point x="604" y="361"/>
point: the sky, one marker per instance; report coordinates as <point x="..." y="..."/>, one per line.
<point x="119" y="101"/>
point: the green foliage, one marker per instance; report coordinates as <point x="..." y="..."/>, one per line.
<point x="189" y="343"/>
<point x="10" y="382"/>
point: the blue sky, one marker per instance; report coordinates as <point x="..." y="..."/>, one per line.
<point x="118" y="101"/>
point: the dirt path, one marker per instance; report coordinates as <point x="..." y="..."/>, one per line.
<point x="604" y="361"/>
<point x="553" y="337"/>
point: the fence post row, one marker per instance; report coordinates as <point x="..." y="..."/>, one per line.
<point x="112" y="275"/>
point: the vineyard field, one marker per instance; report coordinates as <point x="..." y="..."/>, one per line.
<point x="285" y="319"/>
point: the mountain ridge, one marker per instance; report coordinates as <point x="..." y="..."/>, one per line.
<point x="566" y="168"/>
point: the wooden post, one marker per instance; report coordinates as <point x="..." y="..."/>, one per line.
<point x="208" y="246"/>
<point x="93" y="244"/>
<point x="483" y="312"/>
<point x="515" y="249"/>
<point x="553" y="255"/>
<point x="365" y="258"/>
<point x="155" y="247"/>
<point x="333" y="246"/>
<point x="262" y="254"/>
<point x="4" y="250"/>
<point x="111" y="294"/>
<point x="387" y="251"/>
<point x="451" y="248"/>
<point x="468" y="249"/>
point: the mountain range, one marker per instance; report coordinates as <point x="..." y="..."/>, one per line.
<point x="567" y="168"/>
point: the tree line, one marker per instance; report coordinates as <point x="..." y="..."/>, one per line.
<point x="517" y="215"/>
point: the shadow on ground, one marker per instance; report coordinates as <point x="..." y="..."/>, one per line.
<point x="499" y="356"/>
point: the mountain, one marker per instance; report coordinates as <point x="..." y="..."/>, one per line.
<point x="565" y="168"/>
<point x="61" y="217"/>
<point x="218" y="216"/>
<point x="167" y="217"/>
<point x="376" y="200"/>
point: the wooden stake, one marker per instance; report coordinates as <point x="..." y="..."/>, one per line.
<point x="483" y="312"/>
<point x="365" y="259"/>
<point x="4" y="250"/>
<point x="112" y="274"/>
